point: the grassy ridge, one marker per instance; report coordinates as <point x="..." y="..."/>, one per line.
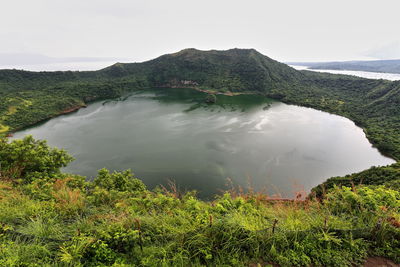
<point x="53" y="219"/>
<point x="101" y="226"/>
<point x="387" y="175"/>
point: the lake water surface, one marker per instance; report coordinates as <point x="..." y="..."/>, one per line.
<point x="171" y="134"/>
<point x="363" y="74"/>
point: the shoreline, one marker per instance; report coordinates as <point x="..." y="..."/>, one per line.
<point x="63" y="112"/>
<point x="208" y="91"/>
<point x="77" y="107"/>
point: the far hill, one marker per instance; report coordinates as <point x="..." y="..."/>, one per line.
<point x="231" y="70"/>
<point x="389" y="66"/>
<point x="30" y="97"/>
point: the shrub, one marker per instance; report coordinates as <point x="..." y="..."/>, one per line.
<point x="363" y="200"/>
<point x="119" y="181"/>
<point x="29" y="159"/>
<point x="69" y="202"/>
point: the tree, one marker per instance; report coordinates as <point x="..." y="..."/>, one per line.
<point x="211" y="99"/>
<point x="28" y="159"/>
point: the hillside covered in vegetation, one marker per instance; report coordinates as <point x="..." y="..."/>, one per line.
<point x="49" y="218"/>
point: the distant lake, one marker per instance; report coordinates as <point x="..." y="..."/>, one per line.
<point x="60" y="66"/>
<point x="171" y="134"/>
<point x="363" y="74"/>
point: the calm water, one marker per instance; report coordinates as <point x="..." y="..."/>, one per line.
<point x="363" y="74"/>
<point x="59" y="66"/>
<point x="276" y="147"/>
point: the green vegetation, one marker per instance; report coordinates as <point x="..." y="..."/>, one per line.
<point x="51" y="218"/>
<point x="3" y="129"/>
<point x="211" y="99"/>
<point x="388" y="176"/>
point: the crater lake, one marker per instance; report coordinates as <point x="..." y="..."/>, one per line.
<point x="245" y="140"/>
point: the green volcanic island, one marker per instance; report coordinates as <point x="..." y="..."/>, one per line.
<point x="52" y="218"/>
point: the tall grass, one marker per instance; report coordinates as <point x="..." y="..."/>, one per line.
<point x="75" y="226"/>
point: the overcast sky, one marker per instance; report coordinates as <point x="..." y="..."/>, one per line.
<point x="134" y="30"/>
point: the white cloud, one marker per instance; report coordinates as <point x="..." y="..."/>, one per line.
<point x="287" y="30"/>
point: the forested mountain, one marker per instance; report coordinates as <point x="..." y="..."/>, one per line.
<point x="29" y="97"/>
<point x="389" y="66"/>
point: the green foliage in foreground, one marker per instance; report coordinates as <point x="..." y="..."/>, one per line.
<point x="59" y="219"/>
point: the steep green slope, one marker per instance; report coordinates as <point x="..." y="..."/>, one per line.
<point x="232" y="70"/>
<point x="29" y="97"/>
<point x="388" y="176"/>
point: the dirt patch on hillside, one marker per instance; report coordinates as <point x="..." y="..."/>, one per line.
<point x="379" y="262"/>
